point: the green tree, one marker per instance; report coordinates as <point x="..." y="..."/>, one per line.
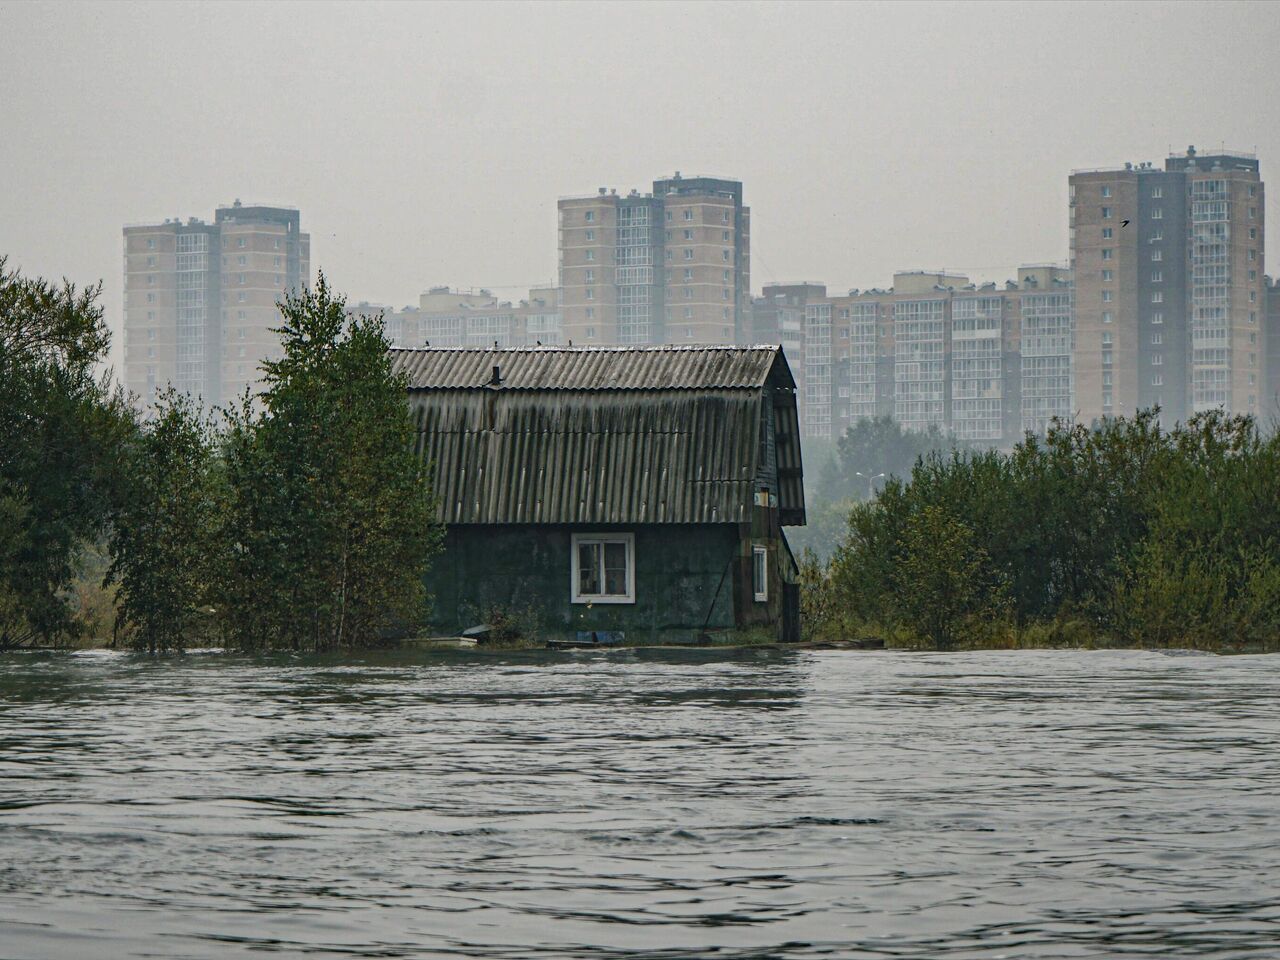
<point x="62" y="426"/>
<point x="942" y="579"/>
<point x="165" y="534"/>
<point x="330" y="523"/>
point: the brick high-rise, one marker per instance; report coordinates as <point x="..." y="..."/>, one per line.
<point x="1169" y="287"/>
<point x="200" y="298"/>
<point x="671" y="266"/>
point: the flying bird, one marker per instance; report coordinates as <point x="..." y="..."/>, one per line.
<point x="1123" y="224"/>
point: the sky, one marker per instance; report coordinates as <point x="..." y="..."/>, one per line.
<point x="427" y="144"/>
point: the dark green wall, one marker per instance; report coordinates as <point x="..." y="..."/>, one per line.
<point x="526" y="569"/>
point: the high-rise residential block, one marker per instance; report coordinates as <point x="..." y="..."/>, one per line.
<point x="200" y="299"/>
<point x="451" y="318"/>
<point x="670" y="266"/>
<point x="984" y="363"/>
<point x="1169" y="289"/>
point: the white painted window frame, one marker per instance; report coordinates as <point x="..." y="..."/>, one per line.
<point x="762" y="595"/>
<point x="602" y="537"/>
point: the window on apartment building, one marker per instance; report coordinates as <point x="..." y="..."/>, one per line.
<point x="1106" y="296"/>
<point x="1106" y="378"/>
<point x="724" y="255"/>
<point x="1106" y="401"/>
<point x="1157" y="338"/>
<point x="151" y="244"/>
<point x="1253" y="317"/>
<point x="239" y="314"/>
<point x="240" y="242"/>
<point x="151" y="314"/>
<point x="240" y="333"/>
<point x="1253" y="359"/>
<point x="591" y="293"/>
<point x="1157" y="380"/>
<point x="241" y="260"/>
<point x="668" y="254"/>
<point x="1253" y="190"/>
<point x="668" y="212"/>
<point x="1253" y="275"/>
<point x="1157" y="213"/>
<point x="591" y="275"/>
<point x="590" y="216"/>
<point x="1156" y="235"/>
<point x="1157" y="256"/>
<point x="1253" y="296"/>
<point x="241" y="296"/>
<point x="591" y="313"/>
<point x="1107" y="275"/>
<point x="1108" y="253"/>
<point x="688" y="254"/>
<point x="275" y="261"/>
<point x="1157" y="276"/>
<point x="1157" y="317"/>
<point x="688" y="214"/>
<point x="1106" y="338"/>
<point x="1106" y="192"/>
<point x="591" y="333"/>
<point x="1106" y="213"/>
<point x="1253" y="254"/>
<point x="724" y="236"/>
<point x="844" y="333"/>
<point x="726" y="217"/>
<point x="275" y="244"/>
<point x="760" y="574"/>
<point x="725" y="276"/>
<point x="1253" y="338"/>
<point x="1157" y="296"/>
<point x="151" y="279"/>
<point x="1107" y="316"/>
<point x="151" y="298"/>
<point x="1107" y="233"/>
<point x="1253" y="233"/>
<point x="591" y="234"/>
<point x="151" y="261"/>
<point x="724" y="313"/>
<point x="1157" y="359"/>
<point x="278" y="279"/>
<point x="688" y="333"/>
<point x="688" y="273"/>
<point x="240" y="352"/>
<point x="688" y="234"/>
<point x="1157" y="193"/>
<point x="589" y="255"/>
<point x="688" y="313"/>
<point x="1253" y="213"/>
<point x="151" y="334"/>
<point x="724" y="294"/>
<point x="688" y="293"/>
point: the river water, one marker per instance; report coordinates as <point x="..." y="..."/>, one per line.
<point x="641" y="804"/>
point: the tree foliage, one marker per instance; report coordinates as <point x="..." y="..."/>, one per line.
<point x="330" y="523"/>
<point x="62" y="426"/>
<point x="1153" y="536"/>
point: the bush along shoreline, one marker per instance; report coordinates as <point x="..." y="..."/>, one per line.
<point x="1123" y="534"/>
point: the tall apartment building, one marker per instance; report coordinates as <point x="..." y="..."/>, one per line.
<point x="671" y="266"/>
<point x="1169" y="286"/>
<point x="451" y="318"/>
<point x="200" y="298"/>
<point x="983" y="362"/>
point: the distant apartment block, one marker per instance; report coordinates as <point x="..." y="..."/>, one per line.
<point x="1170" y="289"/>
<point x="670" y="266"/>
<point x="986" y="363"/>
<point x="452" y="318"/>
<point x="200" y="298"/>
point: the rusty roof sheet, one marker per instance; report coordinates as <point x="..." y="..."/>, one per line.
<point x="594" y="368"/>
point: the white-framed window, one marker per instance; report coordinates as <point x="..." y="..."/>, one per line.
<point x="1107" y="233"/>
<point x="1157" y="276"/>
<point x="1157" y="338"/>
<point x="591" y="333"/>
<point x="688" y="273"/>
<point x="1107" y="253"/>
<point x="591" y="293"/>
<point x="603" y="568"/>
<point x="724" y="255"/>
<point x="590" y="216"/>
<point x="1156" y="234"/>
<point x="1157" y="297"/>
<point x="1157" y="359"/>
<point x="725" y="216"/>
<point x="688" y="234"/>
<point x="151" y="244"/>
<point x="241" y="260"/>
<point x="1157" y="317"/>
<point x="1106" y="296"/>
<point x="591" y="275"/>
<point x="591" y="234"/>
<point x="1106" y="213"/>
<point x="1157" y="255"/>
<point x="688" y="293"/>
<point x="688" y="214"/>
<point x="1157" y="380"/>
<point x="151" y="298"/>
<point x="688" y="332"/>
<point x="1157" y="193"/>
<point x="688" y="254"/>
<point x="240" y="242"/>
<point x="1107" y="275"/>
<point x="591" y="314"/>
<point x="688" y="313"/>
<point x="590" y="255"/>
<point x="1106" y="192"/>
<point x="760" y="574"/>
<point x="1107" y="316"/>
<point x="1157" y="213"/>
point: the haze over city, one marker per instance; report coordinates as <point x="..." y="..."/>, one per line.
<point x="429" y="144"/>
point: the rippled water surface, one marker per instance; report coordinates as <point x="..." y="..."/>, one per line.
<point x="638" y="804"/>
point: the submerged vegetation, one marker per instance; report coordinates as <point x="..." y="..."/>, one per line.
<point x="1122" y="534"/>
<point x="299" y="519"/>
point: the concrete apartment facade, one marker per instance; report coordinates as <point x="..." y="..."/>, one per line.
<point x="670" y="266"/>
<point x="1170" y="288"/>
<point x="200" y="299"/>
<point x="453" y="318"/>
<point x="986" y="363"/>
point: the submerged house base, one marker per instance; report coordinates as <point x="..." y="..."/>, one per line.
<point x="618" y="494"/>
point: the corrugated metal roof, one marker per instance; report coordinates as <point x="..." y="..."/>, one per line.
<point x="503" y="457"/>
<point x="592" y="368"/>
<point x="602" y="435"/>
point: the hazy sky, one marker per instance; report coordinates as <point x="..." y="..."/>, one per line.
<point x="427" y="144"/>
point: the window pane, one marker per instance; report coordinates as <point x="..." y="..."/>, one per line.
<point x="615" y="568"/>
<point x="588" y="568"/>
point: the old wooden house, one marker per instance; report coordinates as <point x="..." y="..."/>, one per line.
<point x="612" y="492"/>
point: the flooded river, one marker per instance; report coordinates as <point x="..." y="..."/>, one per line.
<point x="641" y="804"/>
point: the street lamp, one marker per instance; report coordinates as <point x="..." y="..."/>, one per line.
<point x="871" y="483"/>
